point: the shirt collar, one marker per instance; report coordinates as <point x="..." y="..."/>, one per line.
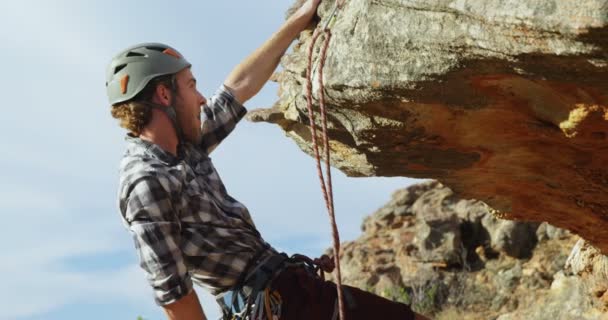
<point x="137" y="145"/>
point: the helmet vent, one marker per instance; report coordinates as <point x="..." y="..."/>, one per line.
<point x="123" y="83"/>
<point x="118" y="68"/>
<point x="172" y="53"/>
<point x="135" y="54"/>
<point x="161" y="49"/>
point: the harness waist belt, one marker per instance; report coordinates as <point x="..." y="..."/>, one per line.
<point x="259" y="277"/>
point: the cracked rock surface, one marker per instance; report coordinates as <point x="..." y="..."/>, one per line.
<point x="450" y="258"/>
<point x="503" y="101"/>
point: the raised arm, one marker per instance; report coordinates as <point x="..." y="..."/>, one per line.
<point x="248" y="78"/>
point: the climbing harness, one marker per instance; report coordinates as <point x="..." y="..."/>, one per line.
<point x="326" y="187"/>
<point x="253" y="298"/>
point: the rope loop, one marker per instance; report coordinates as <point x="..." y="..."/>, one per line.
<point x="326" y="186"/>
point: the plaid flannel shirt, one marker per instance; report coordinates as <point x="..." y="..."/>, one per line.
<point x="185" y="226"/>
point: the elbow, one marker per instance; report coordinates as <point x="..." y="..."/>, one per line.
<point x="242" y="89"/>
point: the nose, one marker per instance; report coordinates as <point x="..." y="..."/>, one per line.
<point x="202" y="99"/>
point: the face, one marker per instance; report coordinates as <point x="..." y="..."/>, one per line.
<point x="188" y="104"/>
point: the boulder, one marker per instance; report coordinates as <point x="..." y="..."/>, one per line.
<point x="450" y="258"/>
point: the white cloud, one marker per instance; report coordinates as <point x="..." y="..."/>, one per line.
<point x="40" y="230"/>
<point x="34" y="290"/>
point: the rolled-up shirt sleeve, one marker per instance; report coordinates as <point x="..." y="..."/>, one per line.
<point x="156" y="232"/>
<point x="219" y="118"/>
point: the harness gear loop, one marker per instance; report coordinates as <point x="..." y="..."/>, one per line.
<point x="326" y="187"/>
<point x="253" y="297"/>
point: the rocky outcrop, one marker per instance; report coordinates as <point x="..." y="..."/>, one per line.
<point x="503" y="101"/>
<point x="451" y="259"/>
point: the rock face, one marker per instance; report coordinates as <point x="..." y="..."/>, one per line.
<point x="451" y="259"/>
<point x="503" y="101"/>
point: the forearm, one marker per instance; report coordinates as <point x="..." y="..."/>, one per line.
<point x="248" y="78"/>
<point x="186" y="308"/>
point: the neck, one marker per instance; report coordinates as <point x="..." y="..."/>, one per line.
<point x="160" y="132"/>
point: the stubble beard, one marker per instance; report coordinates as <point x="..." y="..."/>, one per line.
<point x="191" y="131"/>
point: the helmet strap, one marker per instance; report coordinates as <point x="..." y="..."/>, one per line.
<point x="171" y="113"/>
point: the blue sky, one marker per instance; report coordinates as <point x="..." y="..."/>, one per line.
<point x="65" y="253"/>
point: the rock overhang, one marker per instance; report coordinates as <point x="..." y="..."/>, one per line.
<point x="503" y="102"/>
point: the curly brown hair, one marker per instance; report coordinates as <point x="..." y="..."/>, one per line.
<point x="134" y="114"/>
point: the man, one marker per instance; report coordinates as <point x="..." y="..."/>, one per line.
<point x="185" y="226"/>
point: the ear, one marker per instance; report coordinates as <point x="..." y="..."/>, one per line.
<point x="162" y="95"/>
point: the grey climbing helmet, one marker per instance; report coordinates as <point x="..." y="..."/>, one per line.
<point x="130" y="71"/>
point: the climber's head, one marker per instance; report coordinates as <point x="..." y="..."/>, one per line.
<point x="154" y="76"/>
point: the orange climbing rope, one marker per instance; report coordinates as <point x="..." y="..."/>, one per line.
<point x="327" y="188"/>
